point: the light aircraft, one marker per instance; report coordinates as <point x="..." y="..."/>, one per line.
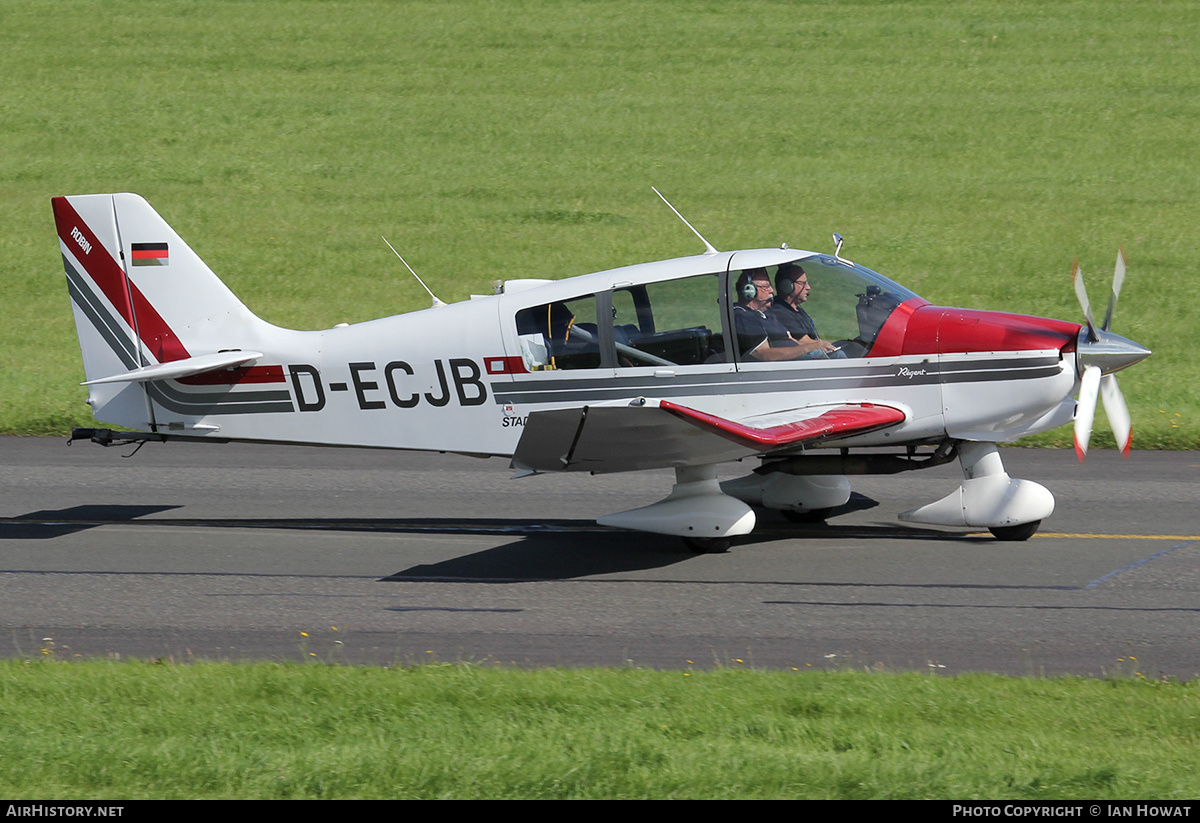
<point x="641" y="367"/>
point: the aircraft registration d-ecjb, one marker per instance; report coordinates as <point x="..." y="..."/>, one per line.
<point x="682" y="364"/>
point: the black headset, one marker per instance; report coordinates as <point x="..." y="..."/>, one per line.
<point x="745" y="284"/>
<point x="785" y="279"/>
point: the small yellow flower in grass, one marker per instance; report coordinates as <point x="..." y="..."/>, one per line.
<point x="304" y="634"/>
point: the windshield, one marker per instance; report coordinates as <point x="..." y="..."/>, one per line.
<point x="814" y="308"/>
<point x="847" y="301"/>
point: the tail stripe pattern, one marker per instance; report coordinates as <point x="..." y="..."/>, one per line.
<point x="99" y="267"/>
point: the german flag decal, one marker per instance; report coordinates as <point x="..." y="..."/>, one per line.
<point x="151" y="254"/>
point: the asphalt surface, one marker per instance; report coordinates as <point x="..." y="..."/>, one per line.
<point x="262" y="552"/>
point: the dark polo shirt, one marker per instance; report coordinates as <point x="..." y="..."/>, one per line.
<point x="753" y="327"/>
<point x="795" y="320"/>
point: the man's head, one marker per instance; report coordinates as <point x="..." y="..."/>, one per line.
<point x="754" y="288"/>
<point x="791" y="284"/>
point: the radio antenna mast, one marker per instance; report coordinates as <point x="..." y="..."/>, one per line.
<point x="437" y="304"/>
<point x="708" y="247"/>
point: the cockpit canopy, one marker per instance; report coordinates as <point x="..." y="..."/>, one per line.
<point x="707" y="318"/>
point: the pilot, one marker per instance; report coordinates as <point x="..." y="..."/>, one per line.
<point x="791" y="289"/>
<point x="760" y="335"/>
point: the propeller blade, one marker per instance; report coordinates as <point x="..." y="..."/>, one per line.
<point x="1118" y="413"/>
<point x="1085" y="409"/>
<point x="1118" y="279"/>
<point x="1084" y="303"/>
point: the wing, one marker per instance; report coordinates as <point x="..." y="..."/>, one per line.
<point x="662" y="434"/>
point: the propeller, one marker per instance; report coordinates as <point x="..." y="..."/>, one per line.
<point x="1100" y="354"/>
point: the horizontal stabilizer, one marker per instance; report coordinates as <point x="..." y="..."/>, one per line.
<point x="182" y="368"/>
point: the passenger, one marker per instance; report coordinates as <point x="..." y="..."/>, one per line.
<point x="791" y="289"/>
<point x="760" y="335"/>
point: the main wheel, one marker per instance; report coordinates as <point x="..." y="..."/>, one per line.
<point x="708" y="545"/>
<point x="1024" y="531"/>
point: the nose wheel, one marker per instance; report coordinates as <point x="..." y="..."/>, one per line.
<point x="1010" y="509"/>
<point x="1015" y="533"/>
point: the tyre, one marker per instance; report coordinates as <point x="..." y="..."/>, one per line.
<point x="1024" y="531"/>
<point x="708" y="545"/>
<point x="811" y="516"/>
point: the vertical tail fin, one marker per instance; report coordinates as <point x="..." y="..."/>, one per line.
<point x="141" y="297"/>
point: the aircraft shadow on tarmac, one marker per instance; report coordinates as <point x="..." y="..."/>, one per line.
<point x="561" y="556"/>
<point x="48" y="524"/>
<point x="540" y="550"/>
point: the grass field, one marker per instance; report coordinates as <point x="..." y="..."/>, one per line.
<point x="134" y="730"/>
<point x="969" y="150"/>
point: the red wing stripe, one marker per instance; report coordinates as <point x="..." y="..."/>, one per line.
<point x="838" y="422"/>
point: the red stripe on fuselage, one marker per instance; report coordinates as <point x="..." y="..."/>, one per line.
<point x="233" y="377"/>
<point x="110" y="278"/>
<point x="505" y="365"/>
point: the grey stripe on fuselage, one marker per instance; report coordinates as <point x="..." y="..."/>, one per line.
<point x="227" y="402"/>
<point x="565" y="390"/>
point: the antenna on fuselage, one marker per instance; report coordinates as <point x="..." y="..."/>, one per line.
<point x="708" y="247"/>
<point x="437" y="304"/>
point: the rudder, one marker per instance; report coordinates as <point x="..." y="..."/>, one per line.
<point x="141" y="297"/>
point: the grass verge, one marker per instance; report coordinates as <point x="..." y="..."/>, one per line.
<point x="97" y="729"/>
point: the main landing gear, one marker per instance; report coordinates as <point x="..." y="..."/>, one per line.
<point x="696" y="510"/>
<point x="708" y="545"/>
<point x="799" y="498"/>
<point x="707" y="514"/>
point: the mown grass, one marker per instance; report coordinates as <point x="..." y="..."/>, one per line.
<point x="968" y="149"/>
<point x="216" y="730"/>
